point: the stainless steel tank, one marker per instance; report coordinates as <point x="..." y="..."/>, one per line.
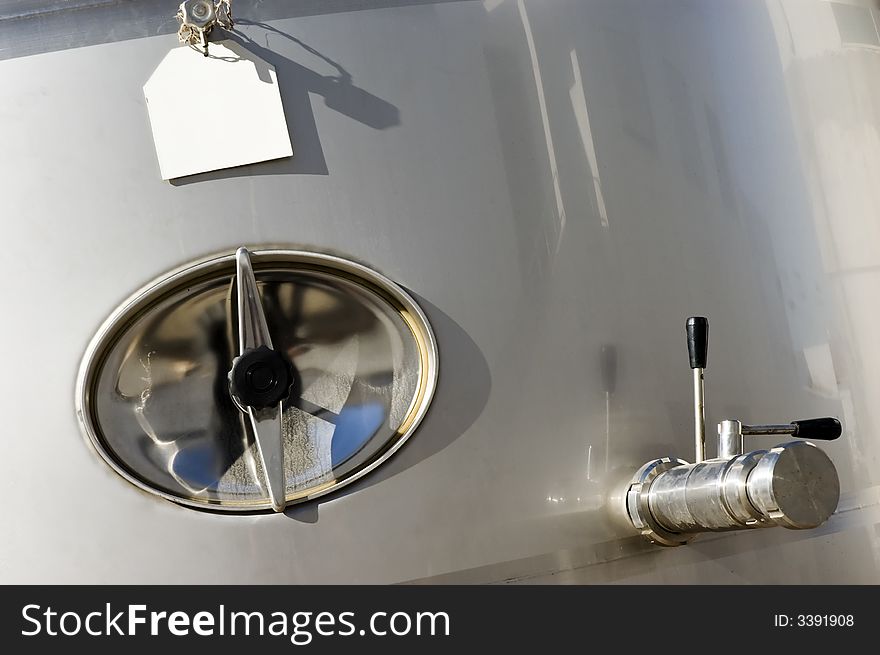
<point x="556" y="184"/>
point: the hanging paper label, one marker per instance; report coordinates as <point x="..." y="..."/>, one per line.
<point x="214" y="112"/>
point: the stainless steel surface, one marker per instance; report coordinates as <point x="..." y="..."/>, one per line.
<point x="699" y="416"/>
<point x="730" y="439"/>
<point x="253" y="332"/>
<point x="545" y="177"/>
<point x="795" y="485"/>
<point x="153" y="393"/>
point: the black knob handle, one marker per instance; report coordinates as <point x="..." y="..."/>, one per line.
<point x="823" y="429"/>
<point x="698" y="340"/>
<point x="261" y="377"/>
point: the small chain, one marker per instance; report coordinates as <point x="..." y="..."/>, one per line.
<point x="224" y="13"/>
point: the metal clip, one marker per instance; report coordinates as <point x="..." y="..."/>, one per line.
<point x="198" y="18"/>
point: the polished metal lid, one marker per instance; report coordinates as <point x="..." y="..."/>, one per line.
<point x="795" y="484"/>
<point x="155" y="397"/>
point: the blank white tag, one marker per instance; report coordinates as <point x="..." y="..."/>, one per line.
<point x="215" y="112"/>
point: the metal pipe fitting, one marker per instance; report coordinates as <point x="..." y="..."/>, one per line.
<point x="730" y="439"/>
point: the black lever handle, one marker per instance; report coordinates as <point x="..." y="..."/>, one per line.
<point x="698" y="340"/>
<point x="823" y="429"/>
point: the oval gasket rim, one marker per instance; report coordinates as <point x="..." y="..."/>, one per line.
<point x="264" y="257"/>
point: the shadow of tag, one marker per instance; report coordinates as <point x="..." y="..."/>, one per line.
<point x="215" y="112"/>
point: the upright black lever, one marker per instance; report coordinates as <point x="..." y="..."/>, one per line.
<point x="697" y="328"/>
<point x="698" y="340"/>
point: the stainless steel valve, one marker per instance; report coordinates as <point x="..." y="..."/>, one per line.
<point x="794" y="485"/>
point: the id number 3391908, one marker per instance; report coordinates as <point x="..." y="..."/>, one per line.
<point x="813" y="620"/>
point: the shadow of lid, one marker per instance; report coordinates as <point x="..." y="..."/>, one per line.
<point x="462" y="393"/>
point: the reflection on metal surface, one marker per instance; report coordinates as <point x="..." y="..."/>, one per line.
<point x="582" y="115"/>
<point x="545" y="121"/>
<point x="153" y="393"/>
